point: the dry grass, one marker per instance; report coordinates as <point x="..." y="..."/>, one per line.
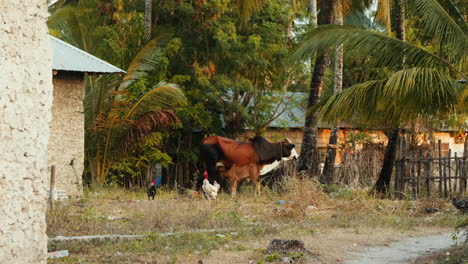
<point x="333" y="215"/>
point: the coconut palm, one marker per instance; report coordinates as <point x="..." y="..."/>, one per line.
<point x="309" y="159"/>
<point x="419" y="84"/>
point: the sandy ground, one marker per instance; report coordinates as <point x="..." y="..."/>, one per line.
<point x="331" y="246"/>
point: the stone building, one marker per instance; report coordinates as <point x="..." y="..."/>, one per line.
<point x="66" y="144"/>
<point x="25" y="102"/>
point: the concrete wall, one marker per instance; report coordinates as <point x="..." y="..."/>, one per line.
<point x="66" y="142"/>
<point x="25" y="101"/>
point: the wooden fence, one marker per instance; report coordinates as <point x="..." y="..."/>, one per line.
<point x="425" y="174"/>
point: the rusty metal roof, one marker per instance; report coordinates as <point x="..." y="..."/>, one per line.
<point x="67" y="57"/>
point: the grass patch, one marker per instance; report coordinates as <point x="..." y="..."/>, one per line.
<point x="305" y="207"/>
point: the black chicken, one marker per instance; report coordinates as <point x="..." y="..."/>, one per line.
<point x="461" y="205"/>
<point x="151" y="187"/>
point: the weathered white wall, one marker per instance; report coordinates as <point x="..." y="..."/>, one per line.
<point x="25" y="101"/>
<point x="66" y="141"/>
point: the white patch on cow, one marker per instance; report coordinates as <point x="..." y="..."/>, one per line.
<point x="269" y="167"/>
<point x="293" y="155"/>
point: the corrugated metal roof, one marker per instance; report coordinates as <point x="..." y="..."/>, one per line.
<point x="294" y="111"/>
<point x="52" y="2"/>
<point x="67" y="57"/>
<point x="295" y="107"/>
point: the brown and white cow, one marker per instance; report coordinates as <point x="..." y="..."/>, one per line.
<point x="238" y="160"/>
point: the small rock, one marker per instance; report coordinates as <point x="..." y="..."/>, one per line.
<point x="283" y="246"/>
<point x="220" y="235"/>
<point x="281" y="202"/>
<point x="117" y="253"/>
<point x="287" y="260"/>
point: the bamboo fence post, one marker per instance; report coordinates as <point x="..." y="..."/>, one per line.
<point x="456" y="178"/>
<point x="449" y="168"/>
<point x="418" y="186"/>
<point x="52" y="187"/>
<point x="464" y="166"/>
<point x="412" y="176"/>
<point x="440" y="166"/>
<point x="429" y="163"/>
<point x="445" y="177"/>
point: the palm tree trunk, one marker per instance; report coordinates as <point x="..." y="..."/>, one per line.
<point x="148" y="6"/>
<point x="328" y="175"/>
<point x="309" y="160"/>
<point x="382" y="185"/>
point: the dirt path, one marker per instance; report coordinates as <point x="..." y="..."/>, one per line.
<point x="403" y="251"/>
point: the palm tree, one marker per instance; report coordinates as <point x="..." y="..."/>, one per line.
<point x="424" y="86"/>
<point x="309" y="159"/>
<point x="148" y="22"/>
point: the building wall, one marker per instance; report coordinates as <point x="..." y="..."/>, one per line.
<point x="25" y="101"/>
<point x="455" y="145"/>
<point x="66" y="143"/>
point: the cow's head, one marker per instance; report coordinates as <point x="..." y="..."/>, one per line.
<point x="288" y="149"/>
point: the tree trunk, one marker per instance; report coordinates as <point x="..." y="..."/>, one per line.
<point x="309" y="159"/>
<point x="382" y="185"/>
<point x="148" y="6"/>
<point x="328" y="175"/>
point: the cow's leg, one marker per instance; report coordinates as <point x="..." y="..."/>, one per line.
<point x="233" y="188"/>
<point x="255" y="175"/>
<point x="257" y="187"/>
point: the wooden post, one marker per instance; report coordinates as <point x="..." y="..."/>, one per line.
<point x="440" y="167"/>
<point x="412" y="176"/>
<point x="429" y="162"/>
<point x="418" y="181"/>
<point x="449" y="171"/>
<point x="464" y="166"/>
<point x="456" y="175"/>
<point x="445" y="177"/>
<point x="428" y="176"/>
<point x="52" y="187"/>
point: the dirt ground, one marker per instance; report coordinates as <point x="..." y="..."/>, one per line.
<point x="452" y="255"/>
<point x="331" y="223"/>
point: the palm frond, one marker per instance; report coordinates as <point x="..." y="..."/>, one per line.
<point x="144" y="62"/>
<point x="437" y="22"/>
<point x="162" y="96"/>
<point x="71" y="24"/>
<point x="157" y="103"/>
<point x="408" y="94"/>
<point x="360" y="43"/>
<point x="420" y="92"/>
<point x="357" y="102"/>
<point x="148" y="123"/>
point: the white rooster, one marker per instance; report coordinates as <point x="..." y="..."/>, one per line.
<point x="211" y="191"/>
